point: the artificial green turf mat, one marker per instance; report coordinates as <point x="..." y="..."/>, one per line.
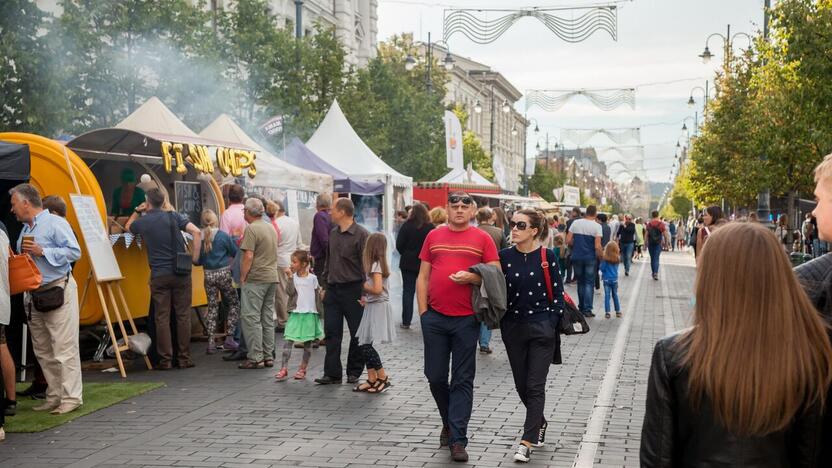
<point x="96" y="396"/>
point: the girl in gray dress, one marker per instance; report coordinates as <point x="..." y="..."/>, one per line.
<point x="377" y="321"/>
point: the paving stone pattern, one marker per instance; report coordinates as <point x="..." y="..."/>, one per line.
<point x="216" y="415"/>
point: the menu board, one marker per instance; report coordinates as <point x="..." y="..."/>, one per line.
<point x="99" y="249"/>
<point x="189" y="200"/>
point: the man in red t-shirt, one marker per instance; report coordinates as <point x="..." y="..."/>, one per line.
<point x="449" y="326"/>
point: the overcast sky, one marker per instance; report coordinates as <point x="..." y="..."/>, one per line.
<point x="658" y="41"/>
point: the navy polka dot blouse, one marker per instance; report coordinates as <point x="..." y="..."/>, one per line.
<point x="525" y="285"/>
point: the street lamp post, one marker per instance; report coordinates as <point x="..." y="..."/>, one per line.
<point x="526" y="123"/>
<point x="705" y="92"/>
<point x="448" y="62"/>
<point x="727" y="42"/>
<point x="764" y="196"/>
<point x="506" y="108"/>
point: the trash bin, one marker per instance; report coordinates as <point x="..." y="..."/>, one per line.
<point x="799" y="258"/>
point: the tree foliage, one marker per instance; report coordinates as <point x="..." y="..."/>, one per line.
<point x="544" y="181"/>
<point x="770" y="124"/>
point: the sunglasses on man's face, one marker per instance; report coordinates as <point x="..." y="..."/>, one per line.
<point x="520" y="225"/>
<point x="457" y="199"/>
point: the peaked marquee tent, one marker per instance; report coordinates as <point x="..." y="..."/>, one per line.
<point x="336" y="142"/>
<point x="276" y="179"/>
<point x="272" y="172"/>
<point x="461" y="176"/>
<point x="298" y="154"/>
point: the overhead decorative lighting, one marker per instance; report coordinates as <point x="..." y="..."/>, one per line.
<point x="620" y="136"/>
<point x="476" y="26"/>
<point x="551" y="100"/>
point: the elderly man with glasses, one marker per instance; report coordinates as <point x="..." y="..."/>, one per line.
<point x="449" y="327"/>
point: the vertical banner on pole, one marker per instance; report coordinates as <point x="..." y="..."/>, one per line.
<point x="453" y="141"/>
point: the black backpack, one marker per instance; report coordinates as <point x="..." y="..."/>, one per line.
<point x="654" y="234"/>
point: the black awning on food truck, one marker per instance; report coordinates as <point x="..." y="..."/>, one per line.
<point x="14" y="161"/>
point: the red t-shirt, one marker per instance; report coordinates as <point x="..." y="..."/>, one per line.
<point x="449" y="252"/>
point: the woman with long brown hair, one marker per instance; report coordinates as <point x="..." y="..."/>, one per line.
<point x="409" y="243"/>
<point x="746" y="385"/>
<point x="713" y="218"/>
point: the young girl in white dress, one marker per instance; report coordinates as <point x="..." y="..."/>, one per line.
<point x="304" y="324"/>
<point x="377" y="321"/>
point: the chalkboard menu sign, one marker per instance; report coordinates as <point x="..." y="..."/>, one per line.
<point x="189" y="200"/>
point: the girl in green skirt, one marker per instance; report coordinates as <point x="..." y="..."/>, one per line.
<point x="304" y="324"/>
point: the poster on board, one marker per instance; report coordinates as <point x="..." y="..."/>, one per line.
<point x="99" y="249"/>
<point x="189" y="200"/>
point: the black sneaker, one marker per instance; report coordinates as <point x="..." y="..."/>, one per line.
<point x="486" y="350"/>
<point x="353" y="378"/>
<point x="541" y="435"/>
<point x="327" y="380"/>
<point x="458" y="453"/>
<point x="444" y="436"/>
<point x="523" y="453"/>
<point x="33" y="390"/>
<point x="11" y="408"/>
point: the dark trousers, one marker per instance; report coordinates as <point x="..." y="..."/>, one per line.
<point x="585" y="275"/>
<point x="408" y="291"/>
<point x="172" y="292"/>
<point x="446" y="336"/>
<point x="530" y="347"/>
<point x="655" y="252"/>
<point x="341" y="302"/>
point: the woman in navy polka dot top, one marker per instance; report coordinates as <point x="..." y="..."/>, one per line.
<point x="529" y="328"/>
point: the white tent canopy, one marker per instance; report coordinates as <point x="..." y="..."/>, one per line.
<point x="154" y="117"/>
<point x="271" y="171"/>
<point x="336" y="142"/>
<point x="460" y="176"/>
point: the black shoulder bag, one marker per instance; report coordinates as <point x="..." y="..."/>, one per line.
<point x="50" y="298"/>
<point x="572" y="321"/>
<point x="182" y="259"/>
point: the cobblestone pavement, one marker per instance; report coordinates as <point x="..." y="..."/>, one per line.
<point x="215" y="415"/>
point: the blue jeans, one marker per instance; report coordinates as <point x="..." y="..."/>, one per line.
<point x="627" y="255"/>
<point x="655" y="251"/>
<point x="445" y="336"/>
<point x="585" y="275"/>
<point x="611" y="289"/>
<point x="485" y="335"/>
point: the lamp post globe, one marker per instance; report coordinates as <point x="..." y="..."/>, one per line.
<point x="706" y="55"/>
<point x="409" y="63"/>
<point x="448" y="62"/>
<point x="506" y="106"/>
<point x="691" y="101"/>
<point x="477" y="107"/>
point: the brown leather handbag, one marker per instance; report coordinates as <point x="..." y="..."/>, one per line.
<point x="24" y="275"/>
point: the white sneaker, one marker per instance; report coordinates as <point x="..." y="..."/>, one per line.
<point x="2" y="434"/>
<point x="523" y="453"/>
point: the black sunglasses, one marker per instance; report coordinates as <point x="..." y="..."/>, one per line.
<point x="457" y="199"/>
<point x="520" y="225"/>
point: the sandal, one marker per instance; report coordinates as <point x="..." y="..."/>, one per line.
<point x="619" y="314"/>
<point x="300" y="374"/>
<point x="282" y="375"/>
<point x="364" y="386"/>
<point x="250" y="365"/>
<point x="268" y="363"/>
<point x="380" y="386"/>
<point x="607" y="315"/>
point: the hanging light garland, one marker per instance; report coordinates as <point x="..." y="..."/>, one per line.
<point x="551" y="100"/>
<point x="620" y="136"/>
<point x="469" y="22"/>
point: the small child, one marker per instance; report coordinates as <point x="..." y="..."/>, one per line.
<point x="304" y="324"/>
<point x="609" y="272"/>
<point x="560" y="253"/>
<point x="377" y="323"/>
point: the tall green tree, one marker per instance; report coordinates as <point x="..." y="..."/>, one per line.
<point x="28" y="91"/>
<point x="544" y="181"/>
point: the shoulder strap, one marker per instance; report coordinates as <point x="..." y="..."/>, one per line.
<point x="546" y="276"/>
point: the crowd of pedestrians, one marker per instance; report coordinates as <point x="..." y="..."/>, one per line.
<point x="473" y="270"/>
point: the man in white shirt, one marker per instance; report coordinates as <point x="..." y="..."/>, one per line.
<point x="288" y="243"/>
